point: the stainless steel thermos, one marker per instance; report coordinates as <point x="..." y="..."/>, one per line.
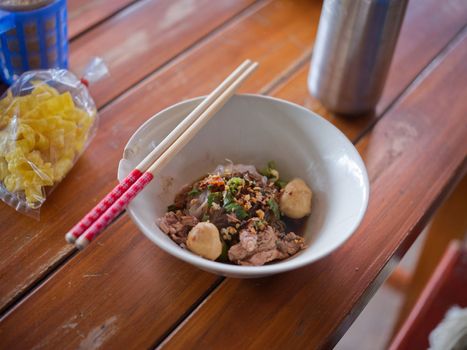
<point x="353" y="50"/>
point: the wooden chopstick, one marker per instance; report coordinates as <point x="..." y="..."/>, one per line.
<point x="136" y="173"/>
<point x="120" y="204"/>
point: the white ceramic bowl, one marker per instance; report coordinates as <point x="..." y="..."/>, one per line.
<point x="253" y="129"/>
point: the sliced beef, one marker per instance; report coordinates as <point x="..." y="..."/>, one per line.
<point x="188" y="220"/>
<point x="291" y="244"/>
<point x="217" y="216"/>
<point x="232" y="219"/>
<point x="177" y="225"/>
<point x="278" y="225"/>
<point x="267" y="239"/>
<point x="262" y="258"/>
<point x="248" y="240"/>
<point x="237" y="253"/>
<point x="265" y="246"/>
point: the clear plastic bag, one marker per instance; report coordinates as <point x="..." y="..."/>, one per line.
<point x="47" y="120"/>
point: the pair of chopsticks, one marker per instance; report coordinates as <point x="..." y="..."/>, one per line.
<point x="117" y="200"/>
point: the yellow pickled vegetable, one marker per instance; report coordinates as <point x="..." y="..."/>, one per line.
<point x="41" y="134"/>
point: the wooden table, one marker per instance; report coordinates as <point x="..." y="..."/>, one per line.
<point x="123" y="291"/>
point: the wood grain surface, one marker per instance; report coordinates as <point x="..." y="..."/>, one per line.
<point x="426" y="29"/>
<point x="413" y="156"/>
<point x="29" y="250"/>
<point x="84" y="14"/>
<point x="146" y="35"/>
<point x="84" y="309"/>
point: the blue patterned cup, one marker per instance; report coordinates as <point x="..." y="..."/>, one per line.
<point x="33" y="39"/>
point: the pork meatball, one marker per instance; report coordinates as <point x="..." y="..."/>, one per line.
<point x="295" y="202"/>
<point x="204" y="240"/>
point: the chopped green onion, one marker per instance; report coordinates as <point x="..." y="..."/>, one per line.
<point x="232" y="207"/>
<point x="266" y="172"/>
<point x="213" y="197"/>
<point x="241" y="213"/>
<point x="228" y="198"/>
<point x="259" y="225"/>
<point x="236" y="208"/>
<point x="280" y="183"/>
<point x="194" y="192"/>
<point x="270" y="171"/>
<point x="274" y="207"/>
<point x="235" y="183"/>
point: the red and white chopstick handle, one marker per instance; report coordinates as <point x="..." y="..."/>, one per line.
<point x="103" y="205"/>
<point x="113" y="211"/>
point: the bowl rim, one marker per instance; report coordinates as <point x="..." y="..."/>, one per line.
<point x="240" y="270"/>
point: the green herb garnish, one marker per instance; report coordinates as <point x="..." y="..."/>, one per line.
<point x="280" y="183"/>
<point x="194" y="192"/>
<point x="274" y="207"/>
<point x="270" y="171"/>
<point x="214" y="197"/>
<point x="241" y="213"/>
<point x="228" y="198"/>
<point x="259" y="225"/>
<point x="236" y="208"/>
<point x="232" y="207"/>
<point x="266" y="172"/>
<point x="235" y="183"/>
<point x="205" y="217"/>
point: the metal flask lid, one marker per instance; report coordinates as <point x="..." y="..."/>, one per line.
<point x="23" y="5"/>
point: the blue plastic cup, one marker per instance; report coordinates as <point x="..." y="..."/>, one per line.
<point x="35" y="39"/>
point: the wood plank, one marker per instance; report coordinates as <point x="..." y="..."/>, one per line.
<point x="84" y="14"/>
<point x="29" y="250"/>
<point x="144" y="36"/>
<point x="429" y="28"/>
<point x="414" y="155"/>
<point x="86" y="285"/>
